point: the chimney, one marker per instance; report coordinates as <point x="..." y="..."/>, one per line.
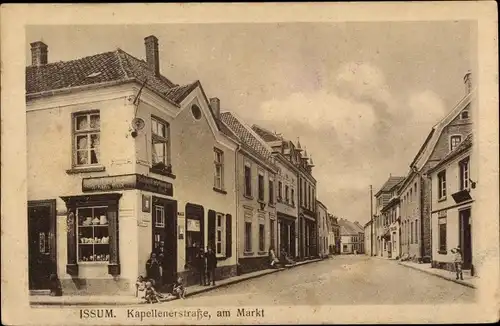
<point x="39" y="52"/>
<point x="152" y="54"/>
<point x="215" y="106"/>
<point x="468" y="82"/>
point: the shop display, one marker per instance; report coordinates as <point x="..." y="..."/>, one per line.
<point x="93" y="235"/>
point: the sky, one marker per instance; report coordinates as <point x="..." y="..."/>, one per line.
<point x="362" y="97"/>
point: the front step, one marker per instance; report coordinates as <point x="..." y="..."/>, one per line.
<point x="39" y="292"/>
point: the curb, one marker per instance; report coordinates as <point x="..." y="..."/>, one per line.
<point x="207" y="289"/>
<point x="442" y="276"/>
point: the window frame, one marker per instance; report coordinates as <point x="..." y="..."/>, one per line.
<point x="247" y="180"/>
<point x="442" y="234"/>
<point x="441" y="176"/>
<point x="271" y="191"/>
<point x="261" y="186"/>
<point x="248" y="237"/>
<point x="222" y="228"/>
<point x="93" y="226"/>
<point x="262" y="240"/>
<point x="218" y="153"/>
<point x="165" y="140"/>
<point x="87" y="132"/>
<point x="464" y="173"/>
<point x="452" y="145"/>
<point x="161" y="209"/>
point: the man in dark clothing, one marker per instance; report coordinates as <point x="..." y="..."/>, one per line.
<point x="211" y="265"/>
<point x="201" y="265"/>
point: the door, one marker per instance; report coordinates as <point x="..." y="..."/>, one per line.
<point x="41" y="243"/>
<point x="164" y="237"/>
<point x="465" y="237"/>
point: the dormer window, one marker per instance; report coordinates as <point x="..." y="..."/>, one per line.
<point x="455" y="141"/>
<point x="464" y="115"/>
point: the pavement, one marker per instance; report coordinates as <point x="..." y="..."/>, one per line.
<point x="470" y="281"/>
<point x="114" y="300"/>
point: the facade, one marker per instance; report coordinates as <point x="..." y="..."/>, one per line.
<point x="443" y="138"/>
<point x="351" y="239"/>
<point x="331" y="235"/>
<point x="385" y="219"/>
<point x="287" y="207"/>
<point x="368" y="233"/>
<point x="322" y="214"/>
<point x="361" y="233"/>
<point x="137" y="165"/>
<point x="453" y="192"/>
<point x="336" y="232"/>
<point x="256" y="196"/>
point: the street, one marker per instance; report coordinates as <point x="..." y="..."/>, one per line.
<point x="341" y="280"/>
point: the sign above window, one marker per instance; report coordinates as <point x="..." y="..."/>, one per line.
<point x="127" y="181"/>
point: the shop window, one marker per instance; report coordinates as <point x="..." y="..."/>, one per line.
<point x="248" y="181"/>
<point x="92" y="231"/>
<point x="194" y="231"/>
<point x="160" y="132"/>
<point x="262" y="239"/>
<point x="86" y="145"/>
<point x="442" y="234"/>
<point x="248" y="236"/>
<point x="219" y="169"/>
<point x="442" y="184"/>
<point x="464" y="174"/>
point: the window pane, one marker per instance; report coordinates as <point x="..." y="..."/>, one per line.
<point x="82" y="157"/>
<point x="154" y="127"/>
<point x="219" y="248"/>
<point x="81" y="122"/>
<point x="219" y="221"/>
<point x="161" y="129"/>
<point x="94" y="141"/>
<point x="95" y="121"/>
<point x="158" y="151"/>
<point x="81" y="142"/>
<point x="219" y="235"/>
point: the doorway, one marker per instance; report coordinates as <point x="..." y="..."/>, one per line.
<point x="164" y="237"/>
<point x="465" y="237"/>
<point x="42" y="260"/>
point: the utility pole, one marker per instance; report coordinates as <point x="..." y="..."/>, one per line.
<point x="371" y="221"/>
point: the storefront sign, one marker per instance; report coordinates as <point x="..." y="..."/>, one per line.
<point x="127" y="181"/>
<point x="193" y="225"/>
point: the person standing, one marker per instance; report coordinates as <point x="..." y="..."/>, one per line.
<point x="211" y="265"/>
<point x="153" y="269"/>
<point x="458" y="261"/>
<point x="200" y="262"/>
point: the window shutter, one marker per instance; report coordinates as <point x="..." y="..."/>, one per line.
<point x="229" y="243"/>
<point x="211" y="228"/>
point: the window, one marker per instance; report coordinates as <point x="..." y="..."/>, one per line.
<point x="271" y="191"/>
<point x="280" y="191"/>
<point x="262" y="244"/>
<point x="411" y="232"/>
<point x="417" y="230"/>
<point x="464" y="174"/>
<point x="261" y="187"/>
<point x="159" y="216"/>
<point x="293" y="197"/>
<point x="248" y="236"/>
<point x="442" y="184"/>
<point x="160" y="143"/>
<point x="344" y="248"/>
<point x="220" y="235"/>
<point x="287" y="198"/>
<point x="442" y="234"/>
<point x="87" y="133"/>
<point x="454" y="141"/>
<point x="93" y="234"/>
<point x="248" y="181"/>
<point x="464" y="115"/>
<point x="219" y="169"/>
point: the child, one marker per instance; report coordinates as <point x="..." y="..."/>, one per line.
<point x="151" y="295"/>
<point x="457" y="259"/>
<point x="140" y="287"/>
<point x="179" y="289"/>
<point x="272" y="257"/>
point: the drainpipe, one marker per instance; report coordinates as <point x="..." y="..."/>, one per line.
<point x="236" y="190"/>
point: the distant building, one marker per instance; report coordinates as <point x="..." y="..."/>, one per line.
<point x="351" y="237"/>
<point x="322" y="215"/>
<point x="368" y="238"/>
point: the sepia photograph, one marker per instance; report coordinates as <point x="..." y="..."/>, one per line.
<point x="211" y="171"/>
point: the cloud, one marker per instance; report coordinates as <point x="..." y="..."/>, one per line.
<point x="357" y="131"/>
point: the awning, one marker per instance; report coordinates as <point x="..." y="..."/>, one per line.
<point x="461" y="196"/>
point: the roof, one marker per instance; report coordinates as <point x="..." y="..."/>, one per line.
<point x="390" y="184"/>
<point x="465" y="144"/>
<point x="102" y="68"/>
<point x="349" y="228"/>
<point x="248" y="139"/>
<point x="265" y="134"/>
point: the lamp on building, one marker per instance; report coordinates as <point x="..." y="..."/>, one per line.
<point x="472" y="184"/>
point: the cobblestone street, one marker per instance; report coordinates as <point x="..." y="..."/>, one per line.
<point x="342" y="280"/>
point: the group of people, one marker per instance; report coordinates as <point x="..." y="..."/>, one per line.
<point x="205" y="265"/>
<point x="275" y="262"/>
